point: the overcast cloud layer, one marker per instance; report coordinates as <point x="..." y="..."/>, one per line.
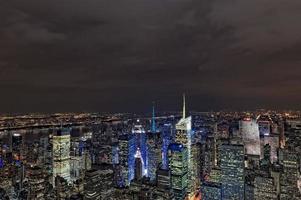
<point x="120" y="55"/>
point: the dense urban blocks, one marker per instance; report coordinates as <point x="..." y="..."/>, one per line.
<point x="209" y="156"/>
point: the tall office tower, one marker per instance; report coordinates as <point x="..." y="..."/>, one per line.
<point x="206" y="160"/>
<point x="61" y="154"/>
<point x="138" y="165"/>
<point x="250" y="134"/>
<point x="154" y="153"/>
<point x="140" y="138"/>
<point x="178" y="165"/>
<point x="16" y="139"/>
<point x="37" y="183"/>
<point x="127" y="150"/>
<point x="184" y="136"/>
<point x="16" y="146"/>
<point x="163" y="184"/>
<point x="232" y="171"/>
<point x="290" y="176"/>
<point x="264" y="189"/>
<point x="167" y="139"/>
<point x="154" y="149"/>
<point x="292" y="133"/>
<point x="211" y="191"/>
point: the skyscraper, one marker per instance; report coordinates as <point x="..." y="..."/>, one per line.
<point x="61" y="154"/>
<point x="290" y="175"/>
<point x="178" y="164"/>
<point x="138" y="165"/>
<point x="184" y="137"/>
<point x="154" y="149"/>
<point x="127" y="150"/>
<point x="166" y="140"/>
<point x="232" y="171"/>
<point x="154" y="153"/>
<point x="140" y="139"/>
<point x="250" y="134"/>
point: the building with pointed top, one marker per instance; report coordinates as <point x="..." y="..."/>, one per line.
<point x="154" y="149"/>
<point x="184" y="136"/>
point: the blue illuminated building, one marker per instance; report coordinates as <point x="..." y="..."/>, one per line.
<point x="140" y="139"/>
<point x="154" y="153"/>
<point x="167" y="139"/>
<point x="127" y="150"/>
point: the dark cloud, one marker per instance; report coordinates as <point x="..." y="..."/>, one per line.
<point x="104" y="55"/>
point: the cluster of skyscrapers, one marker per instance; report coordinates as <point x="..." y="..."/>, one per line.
<point x="210" y="156"/>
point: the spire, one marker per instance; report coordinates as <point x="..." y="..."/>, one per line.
<point x="184" y="107"/>
<point x="153" y="119"/>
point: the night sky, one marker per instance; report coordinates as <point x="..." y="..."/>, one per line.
<point x="120" y="55"/>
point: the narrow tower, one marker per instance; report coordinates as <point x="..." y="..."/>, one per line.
<point x="153" y="119"/>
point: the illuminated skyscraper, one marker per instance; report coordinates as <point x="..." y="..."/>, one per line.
<point x="61" y="154"/>
<point x="206" y="157"/>
<point x="154" y="149"/>
<point x="138" y="165"/>
<point x="127" y="150"/>
<point x="178" y="165"/>
<point x="290" y="175"/>
<point x="184" y="137"/>
<point x="140" y="139"/>
<point x="250" y="134"/>
<point x="232" y="171"/>
<point x="166" y="140"/>
<point x="154" y="154"/>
